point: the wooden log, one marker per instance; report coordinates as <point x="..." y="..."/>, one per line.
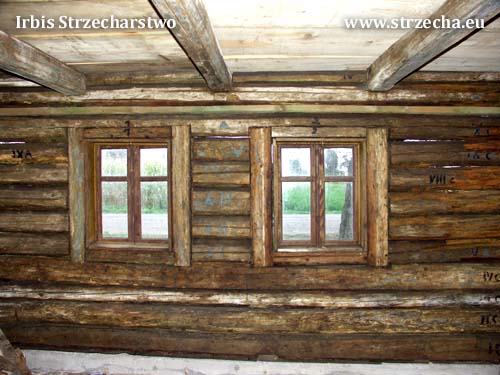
<point x="445" y="153"/>
<point x="312" y="347"/>
<point x="248" y="110"/>
<point x="419" y="46"/>
<point x="429" y="179"/>
<point x="30" y="198"/>
<point x="221" y="246"/>
<point x="129" y="256"/>
<point x="24" y="60"/>
<point x="127" y="130"/>
<point x="210" y="125"/>
<point x="445" y="202"/>
<point x="33" y="222"/>
<point x="221" y="202"/>
<point x="21" y="133"/>
<point x="314" y="132"/>
<point x="33" y="153"/>
<point x="253" y="299"/>
<point x="233" y="276"/>
<point x="34" y="174"/>
<point x="261" y="172"/>
<point x="76" y="188"/>
<point x="444" y="227"/>
<point x="221" y="226"/>
<point x="221" y="174"/>
<point x="245" y="320"/>
<point x="477" y="254"/>
<point x="222" y="257"/>
<point x="195" y="35"/>
<point x="36" y="244"/>
<point x="473" y="132"/>
<point x="377" y="176"/>
<point x="12" y="361"/>
<point x="181" y="194"/>
<point x="221" y="150"/>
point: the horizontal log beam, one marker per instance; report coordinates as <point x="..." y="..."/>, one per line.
<point x="232" y="276"/>
<point x="196" y="37"/>
<point x="22" y="59"/>
<point x="248" y="110"/>
<point x="419" y="46"/>
<point x="295" y="299"/>
<point x="451" y="348"/>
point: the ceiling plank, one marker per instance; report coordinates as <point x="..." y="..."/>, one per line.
<point x="419" y="46"/>
<point x="195" y="35"/>
<point x="31" y="63"/>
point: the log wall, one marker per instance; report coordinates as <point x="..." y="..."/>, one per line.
<point x="438" y="300"/>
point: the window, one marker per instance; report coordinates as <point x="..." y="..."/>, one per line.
<point x="132" y="193"/>
<point x="318" y="196"/>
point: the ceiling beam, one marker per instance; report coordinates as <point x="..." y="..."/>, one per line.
<point x="195" y="35"/>
<point x="420" y="46"/>
<point x="24" y="60"/>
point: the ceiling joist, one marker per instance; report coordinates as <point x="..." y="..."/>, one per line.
<point x="24" y="60"/>
<point x="195" y="35"/>
<point x="420" y="46"/>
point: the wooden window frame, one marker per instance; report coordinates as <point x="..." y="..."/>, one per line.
<point x="318" y="249"/>
<point x="133" y="180"/>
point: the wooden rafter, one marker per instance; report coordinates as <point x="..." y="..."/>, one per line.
<point x="195" y="35"/>
<point x="29" y="62"/>
<point x="419" y="46"/>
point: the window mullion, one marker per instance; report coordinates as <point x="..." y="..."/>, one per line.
<point x="321" y="234"/>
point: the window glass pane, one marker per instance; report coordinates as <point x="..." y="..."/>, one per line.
<point x="296" y="206"/>
<point x="154" y="209"/>
<point x="339" y="219"/>
<point x="154" y="161"/>
<point x="295" y="162"/>
<point x="338" y="161"/>
<point x="114" y="162"/>
<point x="114" y="209"/>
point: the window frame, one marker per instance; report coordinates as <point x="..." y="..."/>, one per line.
<point x="318" y="249"/>
<point x="133" y="179"/>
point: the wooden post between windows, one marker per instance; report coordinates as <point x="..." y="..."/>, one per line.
<point x="261" y="195"/>
<point x="181" y="194"/>
<point x="377" y="177"/>
<point x="76" y="176"/>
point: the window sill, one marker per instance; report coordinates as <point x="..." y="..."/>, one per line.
<point x="301" y="256"/>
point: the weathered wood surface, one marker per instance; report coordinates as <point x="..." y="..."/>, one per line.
<point x="53" y="244"/>
<point x="129" y="256"/>
<point x="247" y="320"/>
<point x="221" y="149"/>
<point x="247" y="110"/>
<point x="377" y="177"/>
<point x="33" y="153"/>
<point x="196" y="37"/>
<point x="29" y="198"/>
<point x="220" y="202"/>
<point x="313" y="347"/>
<point x="12" y="361"/>
<point x="321" y="132"/>
<point x="221" y="174"/>
<point x="261" y="176"/>
<point x="466" y="178"/>
<point x="445" y="202"/>
<point x="181" y="194"/>
<point x="127" y="130"/>
<point x="420" y="46"/>
<point x="444" y="227"/>
<point x="475" y="132"/>
<point x="26" y="221"/>
<point x="76" y="192"/>
<point x="24" y="60"/>
<point x="240" y="257"/>
<point x="232" y="276"/>
<point x="17" y="132"/>
<point x="455" y="95"/>
<point x="318" y="299"/>
<point x="221" y="226"/>
<point x="445" y="153"/>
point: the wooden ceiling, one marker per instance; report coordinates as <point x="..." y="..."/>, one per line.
<point x="254" y="36"/>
